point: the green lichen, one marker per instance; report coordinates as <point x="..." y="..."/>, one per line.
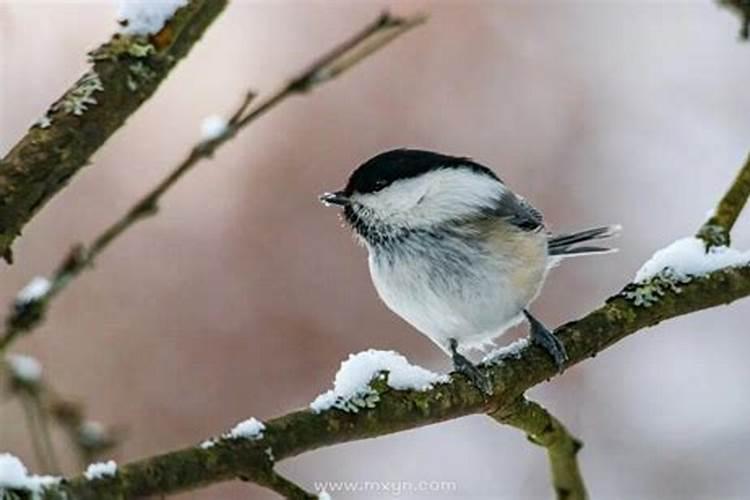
<point x="121" y="45"/>
<point x="365" y="399"/>
<point x="78" y="99"/>
<point x="648" y="293"/>
<point x="139" y="72"/>
<point x="43" y="122"/>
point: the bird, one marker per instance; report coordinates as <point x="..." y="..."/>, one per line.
<point x="454" y="251"/>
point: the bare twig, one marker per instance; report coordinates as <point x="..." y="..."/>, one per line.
<point x="545" y="430"/>
<point x="41" y="404"/>
<point x="386" y="28"/>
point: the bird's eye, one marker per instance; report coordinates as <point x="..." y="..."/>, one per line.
<point x="380" y="184"/>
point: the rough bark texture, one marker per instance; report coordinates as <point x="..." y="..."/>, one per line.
<point x="124" y="74"/>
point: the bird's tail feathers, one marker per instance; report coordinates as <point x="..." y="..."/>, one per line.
<point x="567" y="245"/>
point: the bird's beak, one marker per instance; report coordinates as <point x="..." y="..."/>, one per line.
<point x="337" y="198"/>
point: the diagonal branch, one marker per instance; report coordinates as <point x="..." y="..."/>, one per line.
<point x="715" y="231"/>
<point x="124" y="73"/>
<point x="545" y="430"/>
<point x="29" y="314"/>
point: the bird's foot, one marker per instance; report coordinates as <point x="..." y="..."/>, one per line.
<point x="542" y="336"/>
<point x="462" y="365"/>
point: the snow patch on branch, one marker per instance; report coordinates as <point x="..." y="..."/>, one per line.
<point x="213" y="127"/>
<point x="512" y="350"/>
<point x="247" y="429"/>
<point x="146" y="17"/>
<point x="687" y="257"/>
<point x="34" y="291"/>
<point x="251" y="428"/>
<point x="101" y="470"/>
<point x="15" y="476"/>
<point x="351" y="387"/>
<point x="24" y="368"/>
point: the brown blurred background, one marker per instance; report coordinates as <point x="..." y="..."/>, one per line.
<point x="241" y="298"/>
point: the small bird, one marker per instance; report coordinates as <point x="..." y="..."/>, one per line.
<point x="453" y="251"/>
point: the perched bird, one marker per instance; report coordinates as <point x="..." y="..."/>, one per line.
<point x="455" y="252"/>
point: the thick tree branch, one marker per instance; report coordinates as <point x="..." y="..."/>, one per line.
<point x="304" y="430"/>
<point x="27" y="316"/>
<point x="545" y="430"/>
<point x="125" y="72"/>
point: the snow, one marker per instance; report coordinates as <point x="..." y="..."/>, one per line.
<point x="251" y="428"/>
<point x="146" y="17"/>
<point x="208" y="443"/>
<point x="687" y="257"/>
<point x="36" y="289"/>
<point x="213" y="127"/>
<point x="24" y="368"/>
<point x="511" y="350"/>
<point x="354" y="377"/>
<point x="247" y="429"/>
<point x="100" y="470"/>
<point x="15" y="476"/>
<point x="323" y="495"/>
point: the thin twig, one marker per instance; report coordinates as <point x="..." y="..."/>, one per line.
<point x="43" y="426"/>
<point x="543" y="429"/>
<point x="42" y="404"/>
<point x="384" y="29"/>
<point x="41" y="449"/>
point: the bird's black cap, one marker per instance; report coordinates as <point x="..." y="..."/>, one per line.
<point x="382" y="170"/>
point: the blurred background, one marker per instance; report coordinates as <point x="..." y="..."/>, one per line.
<point x="244" y="294"/>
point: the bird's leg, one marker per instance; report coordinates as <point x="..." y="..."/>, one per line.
<point x="541" y="335"/>
<point x="470" y="370"/>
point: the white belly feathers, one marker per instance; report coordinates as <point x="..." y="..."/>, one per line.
<point x="445" y="295"/>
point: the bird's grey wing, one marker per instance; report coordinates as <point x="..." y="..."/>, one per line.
<point x="519" y="212"/>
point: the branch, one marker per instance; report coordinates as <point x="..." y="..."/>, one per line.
<point x="545" y="430"/>
<point x="742" y="8"/>
<point x="715" y="231"/>
<point x="125" y="72"/>
<point x="376" y="35"/>
<point x="41" y="404"/>
<point x="304" y="430"/>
